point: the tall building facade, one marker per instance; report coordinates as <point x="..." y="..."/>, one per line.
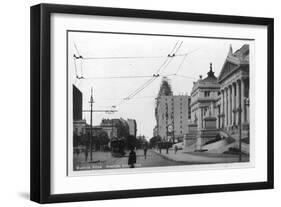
<point x="132" y="127"/>
<point x="204" y="95"/>
<point x="172" y="116"/>
<point x="79" y="125"/>
<point x="234" y="83"/>
<point x="77" y="103"/>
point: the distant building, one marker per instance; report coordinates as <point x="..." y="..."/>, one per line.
<point x="172" y="116"/>
<point x="115" y="127"/>
<point x="132" y="126"/>
<point x="95" y="130"/>
<point x="77" y="103"/>
<point x="79" y="127"/>
<point x="172" y="113"/>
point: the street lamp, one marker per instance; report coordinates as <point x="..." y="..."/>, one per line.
<point x="246" y="102"/>
<point x="239" y="110"/>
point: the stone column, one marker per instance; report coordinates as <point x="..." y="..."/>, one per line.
<point x="202" y="118"/>
<point x="238" y="92"/>
<point x="233" y="105"/>
<point x="198" y="115"/>
<point x="229" y="106"/>
<point x="222" y="108"/>
<point x="226" y="107"/>
<point x="243" y="101"/>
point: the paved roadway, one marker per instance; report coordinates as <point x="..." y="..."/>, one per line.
<point x="104" y="160"/>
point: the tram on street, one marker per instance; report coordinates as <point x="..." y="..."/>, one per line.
<point x="118" y="147"/>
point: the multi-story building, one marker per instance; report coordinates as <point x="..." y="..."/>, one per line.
<point x="234" y="90"/>
<point x="204" y="95"/>
<point x="217" y="103"/>
<point x="132" y="127"/>
<point x="79" y="125"/>
<point x="172" y="116"/>
<point x="77" y="103"/>
<point x="115" y="127"/>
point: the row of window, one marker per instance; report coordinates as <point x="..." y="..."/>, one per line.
<point x="208" y="93"/>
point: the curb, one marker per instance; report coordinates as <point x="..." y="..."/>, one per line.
<point x="170" y="159"/>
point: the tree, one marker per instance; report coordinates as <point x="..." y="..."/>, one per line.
<point x="154" y="140"/>
<point x="131" y="141"/>
<point x="100" y="139"/>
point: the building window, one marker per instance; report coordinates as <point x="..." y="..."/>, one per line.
<point x="207" y="93"/>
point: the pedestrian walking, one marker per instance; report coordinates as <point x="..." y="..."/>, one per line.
<point x="132" y="159"/>
<point x="86" y="153"/>
<point x="176" y="149"/>
<point x="145" y="151"/>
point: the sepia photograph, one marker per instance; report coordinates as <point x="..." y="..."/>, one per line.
<point x="152" y="100"/>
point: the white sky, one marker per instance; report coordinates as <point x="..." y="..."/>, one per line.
<point x="108" y="92"/>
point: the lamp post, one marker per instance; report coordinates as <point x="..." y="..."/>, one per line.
<point x="240" y="132"/>
<point x="247" y="103"/>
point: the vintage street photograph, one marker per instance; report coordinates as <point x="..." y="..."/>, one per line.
<point x="141" y="100"/>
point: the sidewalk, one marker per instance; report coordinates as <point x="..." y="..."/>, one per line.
<point x="200" y="157"/>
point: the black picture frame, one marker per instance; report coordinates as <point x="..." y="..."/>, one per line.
<point x="41" y="99"/>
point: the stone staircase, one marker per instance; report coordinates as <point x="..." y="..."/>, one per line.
<point x="229" y="141"/>
<point x="220" y="146"/>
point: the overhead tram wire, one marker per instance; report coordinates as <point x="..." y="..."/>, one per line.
<point x="122" y="57"/>
<point x="181" y="64"/>
<point x="165" y="64"/>
<point x="184" y="76"/>
<point x="81" y="68"/>
<point x="124" y="77"/>
<point x="172" y="54"/>
<point x="128" y="57"/>
<point x="75" y="67"/>
<point x="147" y="83"/>
<point x="75" y="58"/>
<point x="178" y="47"/>
<point x="119" y="77"/>
<point x="76" y="48"/>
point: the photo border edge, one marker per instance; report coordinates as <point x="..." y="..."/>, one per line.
<point x="40" y="103"/>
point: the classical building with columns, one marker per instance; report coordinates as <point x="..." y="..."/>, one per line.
<point x="234" y="91"/>
<point x="218" y="104"/>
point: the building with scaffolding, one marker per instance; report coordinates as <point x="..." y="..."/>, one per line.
<point x="172" y="113"/>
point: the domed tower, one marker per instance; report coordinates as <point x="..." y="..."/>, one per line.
<point x="204" y="95"/>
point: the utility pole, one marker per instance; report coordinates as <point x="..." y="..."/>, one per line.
<point x="91" y="125"/>
<point x="91" y="121"/>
